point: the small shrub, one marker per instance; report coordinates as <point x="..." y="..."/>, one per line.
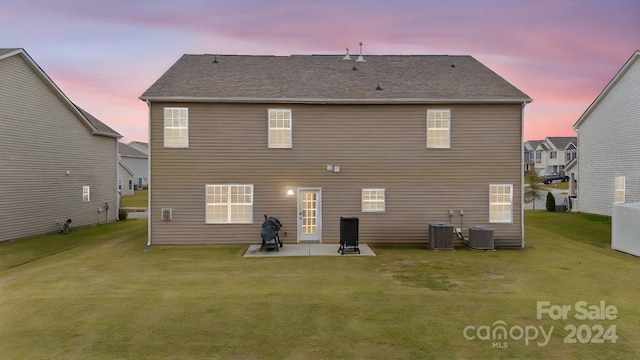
<point x="122" y="214"/>
<point x="551" y="202"/>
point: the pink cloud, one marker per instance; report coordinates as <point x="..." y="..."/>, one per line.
<point x="106" y="54"/>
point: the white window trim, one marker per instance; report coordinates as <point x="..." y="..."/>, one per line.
<point x="290" y="129"/>
<point x="228" y="204"/>
<point x="620" y="187"/>
<point x="432" y="146"/>
<point x="383" y="201"/>
<point x="165" y="127"/>
<point x="86" y="193"/>
<point x="510" y="203"/>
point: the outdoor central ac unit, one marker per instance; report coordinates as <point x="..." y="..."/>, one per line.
<point x="441" y="236"/>
<point x="481" y="238"/>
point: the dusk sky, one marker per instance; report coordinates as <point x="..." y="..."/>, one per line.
<point x="104" y="54"/>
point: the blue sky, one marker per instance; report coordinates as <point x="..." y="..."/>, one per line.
<point x="104" y="54"/>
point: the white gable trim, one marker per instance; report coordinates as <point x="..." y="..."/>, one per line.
<point x="607" y="88"/>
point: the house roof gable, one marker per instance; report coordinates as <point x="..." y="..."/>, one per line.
<point x="129" y="151"/>
<point x="632" y="60"/>
<point x="561" y="142"/>
<point x="330" y="79"/>
<point x="96" y="126"/>
<point x="126" y="168"/>
<point x="531" y="145"/>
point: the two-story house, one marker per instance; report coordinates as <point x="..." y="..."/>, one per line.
<point x="391" y="140"/>
<point x="554" y="153"/>
<point x="137" y="162"/>
<point x="57" y="161"/>
<point x="530" y="155"/>
<point x="609" y="151"/>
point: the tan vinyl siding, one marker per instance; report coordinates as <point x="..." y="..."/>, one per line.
<point x="42" y="139"/>
<point x="376" y="146"/>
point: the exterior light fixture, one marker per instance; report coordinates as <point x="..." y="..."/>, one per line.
<point x="291" y="192"/>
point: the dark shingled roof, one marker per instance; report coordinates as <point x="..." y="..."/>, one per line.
<point x="329" y="79"/>
<point x="561" y="142"/>
<point x="128" y="151"/>
<point x="101" y="128"/>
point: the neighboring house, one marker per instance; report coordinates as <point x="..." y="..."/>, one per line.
<point x="554" y="153"/>
<point x="56" y="160"/>
<point x="609" y="151"/>
<point x="530" y="155"/>
<point x="542" y="157"/>
<point x="137" y="162"/>
<point x="572" y="170"/>
<point x="140" y="146"/>
<point x="125" y="179"/>
<point x="392" y="140"/>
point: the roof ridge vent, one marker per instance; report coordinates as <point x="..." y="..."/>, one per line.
<point x="347" y="57"/>
<point x="360" y="58"/>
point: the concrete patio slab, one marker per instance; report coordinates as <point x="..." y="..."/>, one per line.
<point x="306" y="250"/>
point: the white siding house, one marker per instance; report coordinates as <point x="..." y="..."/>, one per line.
<point x="56" y="160"/>
<point x="554" y="153"/>
<point x="609" y="151"/>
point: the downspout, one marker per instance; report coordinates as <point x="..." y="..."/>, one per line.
<point x="118" y="193"/>
<point x="149" y="178"/>
<point x="524" y="103"/>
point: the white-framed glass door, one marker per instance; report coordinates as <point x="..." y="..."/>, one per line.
<point x="310" y="215"/>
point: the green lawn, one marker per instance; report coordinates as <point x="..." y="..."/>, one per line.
<point x="558" y="185"/>
<point x="139" y="199"/>
<point x="97" y="294"/>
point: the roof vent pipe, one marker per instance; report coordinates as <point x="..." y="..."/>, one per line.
<point x="347" y="57"/>
<point x="360" y="58"/>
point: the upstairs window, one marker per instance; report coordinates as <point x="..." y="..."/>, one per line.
<point x="438" y="128"/>
<point x="280" y="128"/>
<point x="501" y="203"/>
<point x="373" y="200"/>
<point x="176" y="127"/>
<point x="620" y="187"/>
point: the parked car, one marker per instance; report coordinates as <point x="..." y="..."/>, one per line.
<point x="549" y="178"/>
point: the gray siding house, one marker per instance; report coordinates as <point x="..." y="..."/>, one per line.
<point x="609" y="151"/>
<point x="125" y="179"/>
<point x="391" y="140"/>
<point x="137" y="162"/>
<point x="56" y="160"/>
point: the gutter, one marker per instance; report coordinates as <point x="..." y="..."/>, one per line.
<point x="332" y="100"/>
